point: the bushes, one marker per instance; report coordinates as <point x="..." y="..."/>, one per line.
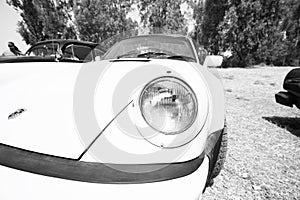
<point x="255" y="31"/>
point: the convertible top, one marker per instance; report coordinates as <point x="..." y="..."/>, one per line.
<point x="63" y="43"/>
<point x="60" y="44"/>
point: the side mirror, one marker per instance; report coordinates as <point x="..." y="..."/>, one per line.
<point x="213" y="61"/>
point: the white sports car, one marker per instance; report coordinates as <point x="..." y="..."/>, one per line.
<point x="145" y="122"/>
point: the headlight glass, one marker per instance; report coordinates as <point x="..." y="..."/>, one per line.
<point x="168" y="105"/>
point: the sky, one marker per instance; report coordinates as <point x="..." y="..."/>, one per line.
<point x="8" y="23"/>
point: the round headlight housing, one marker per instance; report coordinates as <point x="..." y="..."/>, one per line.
<point x="168" y="105"/>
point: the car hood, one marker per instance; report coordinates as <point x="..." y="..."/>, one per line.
<point x="43" y="105"/>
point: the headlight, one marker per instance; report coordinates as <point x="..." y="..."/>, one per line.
<point x="168" y="105"/>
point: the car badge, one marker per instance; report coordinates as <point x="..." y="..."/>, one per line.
<point x="16" y="113"/>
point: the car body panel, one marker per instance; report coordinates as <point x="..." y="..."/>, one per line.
<point x="20" y="184"/>
<point x="47" y="124"/>
<point x="61" y="138"/>
<point x="291" y="84"/>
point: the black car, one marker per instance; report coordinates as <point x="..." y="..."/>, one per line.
<point x="59" y="50"/>
<point x="291" y="84"/>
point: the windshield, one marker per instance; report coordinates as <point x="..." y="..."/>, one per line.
<point x="154" y="46"/>
<point x="78" y="52"/>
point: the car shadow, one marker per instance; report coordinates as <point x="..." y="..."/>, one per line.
<point x="292" y="124"/>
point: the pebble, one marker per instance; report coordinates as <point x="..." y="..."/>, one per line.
<point x="245" y="175"/>
<point x="258" y="83"/>
<point x="256" y="187"/>
<point x="280" y="155"/>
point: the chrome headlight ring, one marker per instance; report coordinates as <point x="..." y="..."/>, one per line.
<point x="168" y="105"/>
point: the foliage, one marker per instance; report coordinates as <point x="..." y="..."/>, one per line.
<point x="291" y="27"/>
<point x="198" y="16"/>
<point x="255" y="31"/>
<point x="208" y="16"/>
<point x="99" y="20"/>
<point x="43" y="20"/>
<point x="250" y="29"/>
<point x="162" y="14"/>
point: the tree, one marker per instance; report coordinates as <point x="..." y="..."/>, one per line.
<point x="43" y="20"/>
<point x="291" y="27"/>
<point x="99" y="20"/>
<point x="208" y="15"/>
<point x="165" y="14"/>
<point x="250" y="29"/>
<point x="198" y="16"/>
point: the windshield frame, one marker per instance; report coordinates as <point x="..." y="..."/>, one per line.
<point x="179" y="37"/>
<point x="36" y="46"/>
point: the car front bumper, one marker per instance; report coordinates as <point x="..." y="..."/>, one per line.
<point x="19" y="181"/>
<point x="287" y="99"/>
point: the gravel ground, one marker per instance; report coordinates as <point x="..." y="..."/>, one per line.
<point x="263" y="158"/>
